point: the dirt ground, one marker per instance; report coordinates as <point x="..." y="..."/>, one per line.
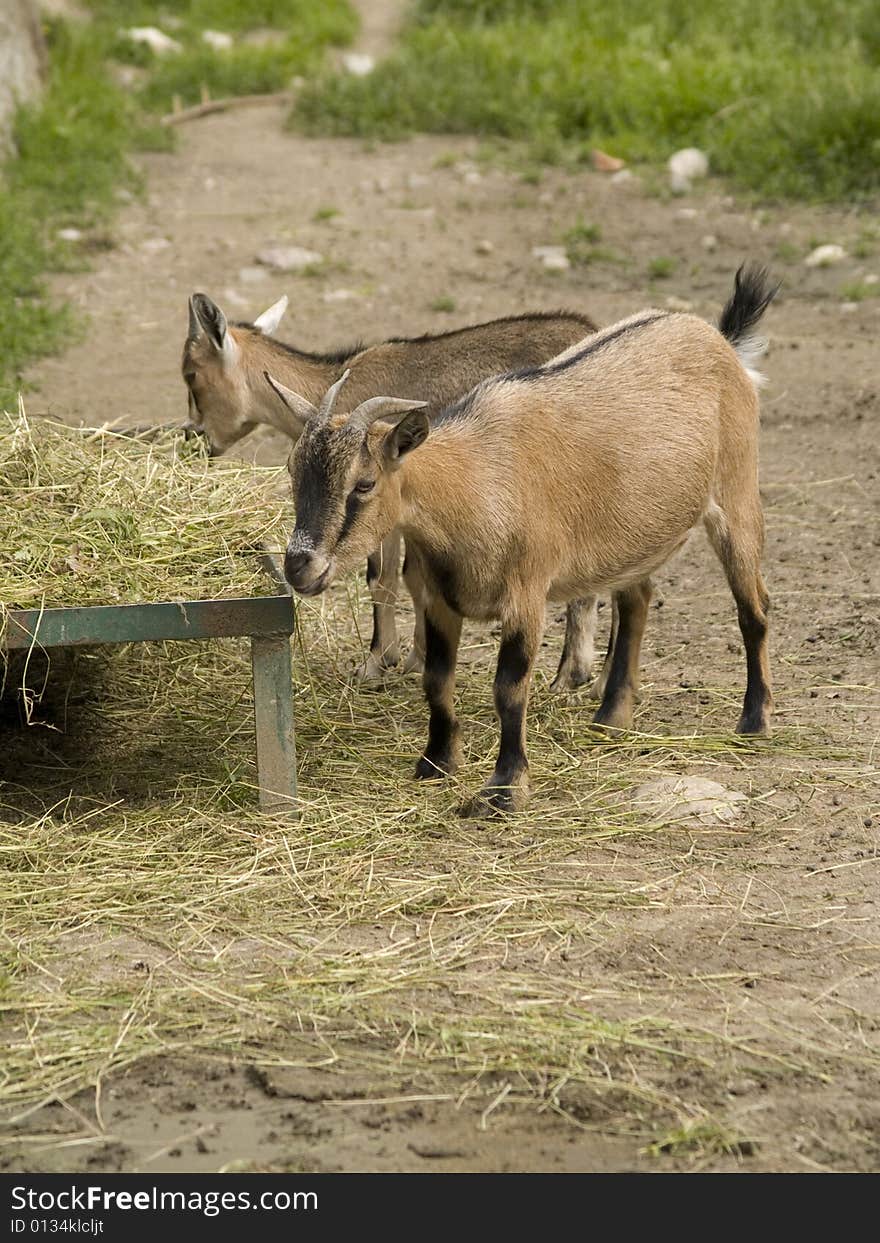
<point x="770" y="927"/>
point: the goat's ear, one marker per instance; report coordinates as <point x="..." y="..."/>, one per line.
<point x="301" y="409"/>
<point x="205" y="316"/>
<point x="271" y="318"/>
<point x="406" y="435"/>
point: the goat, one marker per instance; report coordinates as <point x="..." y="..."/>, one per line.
<point x="582" y="475"/>
<point x="223" y="367"/>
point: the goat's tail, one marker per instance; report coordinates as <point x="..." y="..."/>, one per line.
<point x="752" y="294"/>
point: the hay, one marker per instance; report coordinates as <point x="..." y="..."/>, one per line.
<point x="148" y="908"/>
<point x="101" y="517"/>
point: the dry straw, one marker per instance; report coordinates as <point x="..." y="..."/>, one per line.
<point x="102" y="517"/>
<point x="147" y="908"/>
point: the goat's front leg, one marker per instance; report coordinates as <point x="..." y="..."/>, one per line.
<point x="508" y="787"/>
<point x="442" y="753"/>
<point x="383" y="577"/>
<point x="579" y="649"/>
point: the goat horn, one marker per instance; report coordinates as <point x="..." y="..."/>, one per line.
<point x="297" y="405"/>
<point x="328" y="401"/>
<point x="378" y="407"/>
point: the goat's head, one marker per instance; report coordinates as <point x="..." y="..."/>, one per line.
<point x="214" y="373"/>
<point x="345" y="483"/>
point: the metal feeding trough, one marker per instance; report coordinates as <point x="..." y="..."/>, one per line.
<point x="268" y="622"/>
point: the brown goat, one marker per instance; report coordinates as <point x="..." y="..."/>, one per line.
<point x="223" y="367"/>
<point x="577" y="477"/>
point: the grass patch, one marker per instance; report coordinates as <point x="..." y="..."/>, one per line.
<point x="858" y="291"/>
<point x="784" y="98"/>
<point x="661" y="268"/>
<point x="444" y="305"/>
<point x="73" y="146"/>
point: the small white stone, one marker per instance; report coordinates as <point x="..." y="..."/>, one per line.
<point x="689" y="798"/>
<point x="289" y="258"/>
<point x="686" y="166"/>
<point x="152" y="245"/>
<point x="472" y="177"/>
<point x="359" y="64"/>
<point x="233" y="298"/>
<point x="70" y="235"/>
<point x="484" y="247"/>
<point x="825" y="256"/>
<point x="338" y="295"/>
<point x="252" y="275"/>
<point x="687" y="213"/>
<point x="416" y="180"/>
<point x="209" y="183"/>
<point x="546" y="198"/>
<point x="622" y="177"/>
<point x="553" y="258"/>
<point x="678" y="304"/>
<point x="219" y="40"/>
<point x="709" y="242"/>
<point x="871" y="279"/>
<point x="847" y="308"/>
<point x="154" y="38"/>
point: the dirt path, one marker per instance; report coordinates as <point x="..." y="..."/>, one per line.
<point x="796" y="906"/>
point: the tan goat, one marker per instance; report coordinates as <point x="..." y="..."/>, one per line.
<point x="223" y="367"/>
<point x="580" y="476"/>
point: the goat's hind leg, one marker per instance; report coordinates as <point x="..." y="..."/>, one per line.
<point x="620" y="676"/>
<point x="383" y="579"/>
<point x="738" y="539"/>
<point x="579" y="648"/>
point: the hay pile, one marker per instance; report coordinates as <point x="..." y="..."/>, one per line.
<point x="100" y="517"/>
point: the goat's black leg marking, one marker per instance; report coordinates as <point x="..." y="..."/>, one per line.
<point x="442" y="752"/>
<point x="621" y="689"/>
<point x="508" y="787"/>
<point x="758" y="697"/>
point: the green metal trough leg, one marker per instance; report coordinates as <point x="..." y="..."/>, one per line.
<point x="273" y="710"/>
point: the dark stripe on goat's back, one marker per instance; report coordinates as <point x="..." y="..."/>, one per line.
<point x="334" y="358"/>
<point x="592" y="347"/>
<point x="528" y="317"/>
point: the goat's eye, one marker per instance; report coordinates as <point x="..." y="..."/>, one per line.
<point x="363" y="486"/>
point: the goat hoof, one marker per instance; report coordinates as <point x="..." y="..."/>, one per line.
<point x="414" y="663"/>
<point x="493" y="802"/>
<point x="374" y="668"/>
<point x="612" y="722"/>
<point x="436" y="768"/>
<point x="754" y="725"/>
<point x="569" y="679"/>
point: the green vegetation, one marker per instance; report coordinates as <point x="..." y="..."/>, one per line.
<point x="858" y="291"/>
<point x="661" y="268"/>
<point x="444" y="304"/>
<point x="72" y="148"/>
<point x="783" y="95"/>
